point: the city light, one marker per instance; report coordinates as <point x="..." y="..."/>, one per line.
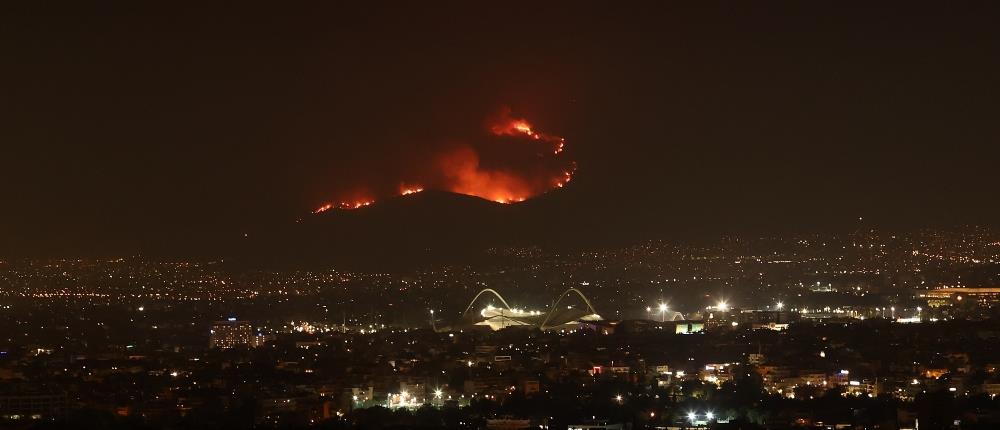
<point x="779" y="305"/>
<point x="663" y="311"/>
<point x="722" y="306"/>
<point x="692" y="416"/>
<point x="709" y="415"/>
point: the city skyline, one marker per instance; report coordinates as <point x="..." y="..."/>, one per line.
<point x="756" y="332"/>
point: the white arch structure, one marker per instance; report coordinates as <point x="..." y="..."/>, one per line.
<point x="486" y="290"/>
<point x="562" y="296"/>
<point x="544" y="325"/>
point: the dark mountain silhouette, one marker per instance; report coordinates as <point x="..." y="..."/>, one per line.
<point x="404" y="230"/>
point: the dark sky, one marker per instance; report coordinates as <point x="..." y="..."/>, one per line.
<point x="128" y="128"/>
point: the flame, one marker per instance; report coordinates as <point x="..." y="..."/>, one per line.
<point x="513" y="127"/>
<point x="412" y="190"/>
<point x="344" y="205"/>
<point x="462" y="170"/>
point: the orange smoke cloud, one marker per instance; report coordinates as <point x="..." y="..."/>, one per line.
<point x="466" y="176"/>
<point x="514" y="162"/>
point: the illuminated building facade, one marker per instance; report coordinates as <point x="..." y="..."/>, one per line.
<point x="232" y="333"/>
<point x="950" y="296"/>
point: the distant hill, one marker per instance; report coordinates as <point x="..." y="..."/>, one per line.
<point x="406" y="229"/>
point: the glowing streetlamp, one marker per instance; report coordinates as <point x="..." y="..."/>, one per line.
<point x="663" y="312"/>
<point x="779" y="306"/>
<point x="722" y="306"/>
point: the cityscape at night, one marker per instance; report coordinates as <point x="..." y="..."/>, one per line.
<point x="558" y="215"/>
<point x="811" y="330"/>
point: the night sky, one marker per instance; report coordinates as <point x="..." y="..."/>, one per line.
<point x="133" y="128"/>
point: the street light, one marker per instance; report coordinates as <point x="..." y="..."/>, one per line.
<point x="692" y="416"/>
<point x="709" y="416"/>
<point x="779" y="305"/>
<point x="663" y="312"/>
<point x="723" y="306"/>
